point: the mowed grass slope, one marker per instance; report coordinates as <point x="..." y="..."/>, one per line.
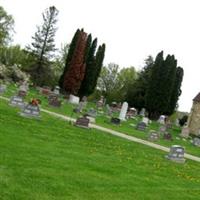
<point x="50" y="159"/>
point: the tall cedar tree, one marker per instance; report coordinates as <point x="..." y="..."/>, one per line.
<point x="75" y="74"/>
<point x="69" y="57"/>
<point x="164" y="86"/>
<point x="98" y="65"/>
<point x="176" y="92"/>
<point x="87" y="83"/>
<point x="43" y="46"/>
<point x="154" y="91"/>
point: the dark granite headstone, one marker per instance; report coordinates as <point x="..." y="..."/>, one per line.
<point x="82" y="122"/>
<point x="141" y="126"/>
<point x="167" y="136"/>
<point x="176" y="154"/>
<point x="115" y="121"/>
<point x="54" y="101"/>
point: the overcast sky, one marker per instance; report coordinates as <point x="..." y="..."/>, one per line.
<point x="131" y="29"/>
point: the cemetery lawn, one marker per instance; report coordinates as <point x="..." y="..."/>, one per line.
<point x="125" y="127"/>
<point x="51" y="159"/>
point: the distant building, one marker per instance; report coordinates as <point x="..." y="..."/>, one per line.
<point x="194" y="118"/>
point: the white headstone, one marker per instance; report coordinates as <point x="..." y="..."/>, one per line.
<point x="145" y="120"/>
<point x="73" y="99"/>
<point x="161" y="119"/>
<point x="123" y="111"/>
<point x="56" y="90"/>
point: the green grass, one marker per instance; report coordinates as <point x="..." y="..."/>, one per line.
<point x="50" y="159"/>
<point x="67" y="109"/>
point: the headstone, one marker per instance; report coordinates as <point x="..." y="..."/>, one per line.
<point x="17" y="101"/>
<point x="91" y="119"/>
<point x="108" y="110"/>
<point x="115" y="121"/>
<point x="176" y="154"/>
<point x="122" y="115"/>
<point x="2" y="88"/>
<point x="161" y="119"/>
<point x="168" y="125"/>
<point x="162" y="129"/>
<point x="100" y="103"/>
<point x="82" y="122"/>
<point x="79" y="108"/>
<point x="142" y="112"/>
<point x="56" y="90"/>
<point x="54" y="101"/>
<point x="196" y="142"/>
<point x="141" y="126"/>
<point x="92" y="112"/>
<point x="31" y="110"/>
<point x="153" y="136"/>
<point x="145" y="120"/>
<point x="167" y="136"/>
<point x="131" y="113"/>
<point x="73" y="99"/>
<point x="22" y="90"/>
<point x="185" y="132"/>
<point x="45" y="91"/>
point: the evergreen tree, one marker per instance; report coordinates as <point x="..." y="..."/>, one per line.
<point x="43" y="46"/>
<point x="98" y="63"/>
<point x="136" y="92"/>
<point x="153" y="98"/>
<point x="90" y="72"/>
<point x="176" y="92"/>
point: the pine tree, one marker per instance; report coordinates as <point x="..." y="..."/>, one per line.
<point x="43" y="46"/>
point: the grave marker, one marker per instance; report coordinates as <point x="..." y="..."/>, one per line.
<point x="176" y="154"/>
<point x="82" y="122"/>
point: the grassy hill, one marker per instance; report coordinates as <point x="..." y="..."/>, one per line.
<point x="50" y="159"/>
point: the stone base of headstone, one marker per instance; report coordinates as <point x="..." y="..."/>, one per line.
<point x="92" y="119"/>
<point x="179" y="160"/>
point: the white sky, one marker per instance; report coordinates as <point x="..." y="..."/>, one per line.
<point x="131" y="29"/>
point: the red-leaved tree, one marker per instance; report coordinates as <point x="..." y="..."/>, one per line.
<point x="75" y="74"/>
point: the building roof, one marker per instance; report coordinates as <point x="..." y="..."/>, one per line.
<point x="197" y="98"/>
